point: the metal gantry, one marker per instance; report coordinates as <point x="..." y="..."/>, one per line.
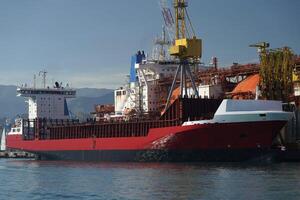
<point x="186" y="49"/>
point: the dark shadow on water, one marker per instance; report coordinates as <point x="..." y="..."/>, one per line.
<point x="154" y="165"/>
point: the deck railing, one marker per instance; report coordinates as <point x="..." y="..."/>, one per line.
<point x="43" y="130"/>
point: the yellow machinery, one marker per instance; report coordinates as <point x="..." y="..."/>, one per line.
<point x="296" y="77"/>
<point x="187" y="48"/>
<point x="296" y="72"/>
<point x="184" y="47"/>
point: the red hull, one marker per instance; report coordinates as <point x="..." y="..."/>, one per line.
<point x="250" y="135"/>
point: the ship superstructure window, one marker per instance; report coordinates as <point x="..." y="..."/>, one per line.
<point x="119" y="93"/>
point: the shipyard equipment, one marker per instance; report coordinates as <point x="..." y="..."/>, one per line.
<point x="186" y="47"/>
<point x="261" y="46"/>
<point x="276" y="72"/>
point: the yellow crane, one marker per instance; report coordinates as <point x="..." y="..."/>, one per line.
<point x="184" y="47"/>
<point x="187" y="48"/>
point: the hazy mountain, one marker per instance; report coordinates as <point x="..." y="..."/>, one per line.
<point x="93" y="92"/>
<point x="87" y="98"/>
<point x="86" y="104"/>
<point x="10" y="105"/>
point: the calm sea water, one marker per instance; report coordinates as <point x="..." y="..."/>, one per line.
<point x="28" y="179"/>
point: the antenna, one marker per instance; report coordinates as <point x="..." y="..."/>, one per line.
<point x="34" y="81"/>
<point x="43" y="73"/>
<point x="168" y="19"/>
<point x="159" y="52"/>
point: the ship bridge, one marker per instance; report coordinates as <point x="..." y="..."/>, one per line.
<point x="29" y="92"/>
<point x="47" y="103"/>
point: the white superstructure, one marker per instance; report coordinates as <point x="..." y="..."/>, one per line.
<point x="48" y="103"/>
<point x="148" y="74"/>
<point x="207" y="91"/>
<point x="232" y="111"/>
<point x="141" y="94"/>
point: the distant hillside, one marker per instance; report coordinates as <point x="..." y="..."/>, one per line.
<point x="11" y="106"/>
<point x="85" y="104"/>
<point x="93" y="92"/>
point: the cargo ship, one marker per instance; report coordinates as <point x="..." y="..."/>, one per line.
<point x="152" y="120"/>
<point x="240" y="130"/>
<point x="192" y="128"/>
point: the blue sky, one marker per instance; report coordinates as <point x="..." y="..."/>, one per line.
<point x="88" y="43"/>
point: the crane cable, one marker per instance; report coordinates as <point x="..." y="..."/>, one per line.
<point x="187" y="14"/>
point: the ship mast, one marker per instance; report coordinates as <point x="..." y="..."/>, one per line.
<point x="34" y="81"/>
<point x="160" y="47"/>
<point x="43" y="74"/>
